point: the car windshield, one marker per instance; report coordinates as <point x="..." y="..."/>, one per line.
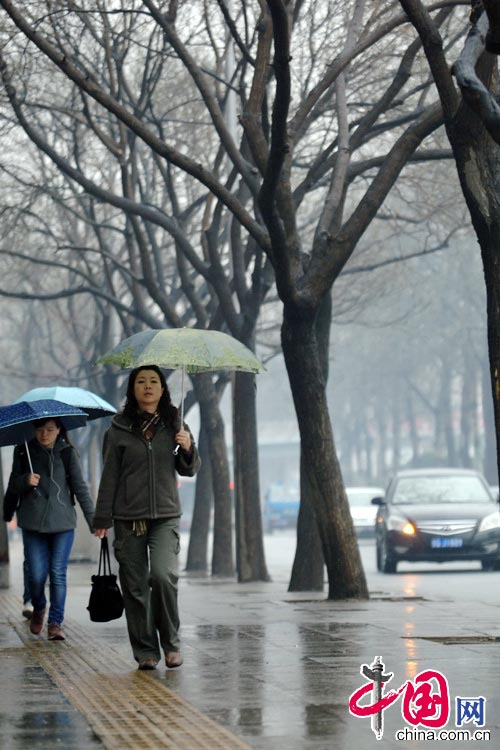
<point x="440" y="489"/>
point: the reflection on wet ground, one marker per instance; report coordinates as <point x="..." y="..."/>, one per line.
<point x="273" y="668"/>
<point x="33" y="713"/>
<point x="283" y="682"/>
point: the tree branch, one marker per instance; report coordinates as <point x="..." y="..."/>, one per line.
<point x="432" y="43"/>
<point x="148" y="213"/>
<point x="331" y="253"/>
<point x="83" y="79"/>
<point x="474" y="92"/>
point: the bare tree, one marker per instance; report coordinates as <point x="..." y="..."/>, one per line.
<point x="291" y="185"/>
<point x="137" y="293"/>
<point x="472" y="120"/>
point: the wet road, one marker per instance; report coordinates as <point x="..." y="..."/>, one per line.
<point x="448" y="581"/>
<point x="272" y="668"/>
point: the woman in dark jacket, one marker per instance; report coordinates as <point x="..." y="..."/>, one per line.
<point x="47" y="516"/>
<point x="138" y="496"/>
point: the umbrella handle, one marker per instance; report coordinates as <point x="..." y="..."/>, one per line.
<point x="177" y="447"/>
<point x="182" y="397"/>
<point x="35" y="490"/>
<point x="29" y="456"/>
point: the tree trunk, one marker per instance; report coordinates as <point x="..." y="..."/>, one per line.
<point x="477" y="157"/>
<point x="414" y="439"/>
<point x="396" y="434"/>
<point x="491" y="262"/>
<point x="319" y="461"/>
<point x="308" y="569"/>
<point x="197" y="555"/>
<point x="468" y="411"/>
<point x="478" y="164"/>
<point x="358" y="447"/>
<point x="222" y="553"/>
<point x="348" y="450"/>
<point x="447" y="409"/>
<point x="381" y="419"/>
<point x="250" y="558"/>
<point x="490" y="468"/>
<point x="444" y="438"/>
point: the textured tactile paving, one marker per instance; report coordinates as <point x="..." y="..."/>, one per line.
<point x="126" y="709"/>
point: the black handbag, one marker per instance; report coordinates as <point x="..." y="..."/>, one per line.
<point x="106" y="601"/>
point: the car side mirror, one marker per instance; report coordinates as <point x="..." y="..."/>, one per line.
<point x="378" y="501"/>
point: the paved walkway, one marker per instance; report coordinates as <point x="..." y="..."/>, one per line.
<point x="264" y="670"/>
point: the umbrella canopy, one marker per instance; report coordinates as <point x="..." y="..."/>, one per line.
<point x="16" y="420"/>
<point x="191" y="349"/>
<point x="94" y="406"/>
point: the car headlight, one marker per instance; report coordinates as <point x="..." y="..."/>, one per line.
<point x="409" y="529"/>
<point x="490" y="522"/>
<point x="402" y="525"/>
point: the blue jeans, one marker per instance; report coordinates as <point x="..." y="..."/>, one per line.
<point x="48" y="556"/>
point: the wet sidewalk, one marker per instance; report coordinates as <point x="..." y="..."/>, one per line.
<point x="264" y="669"/>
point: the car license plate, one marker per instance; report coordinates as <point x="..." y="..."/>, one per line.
<point x="446" y="542"/>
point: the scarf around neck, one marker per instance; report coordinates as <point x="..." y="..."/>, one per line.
<point x="149" y="424"/>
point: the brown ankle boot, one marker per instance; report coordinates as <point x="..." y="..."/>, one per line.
<point x="36" y="622"/>
<point x="55" y="632"/>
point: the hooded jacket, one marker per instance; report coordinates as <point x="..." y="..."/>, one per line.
<point x="49" y="508"/>
<point x="138" y="479"/>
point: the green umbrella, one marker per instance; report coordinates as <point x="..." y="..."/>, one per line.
<point x="191" y="350"/>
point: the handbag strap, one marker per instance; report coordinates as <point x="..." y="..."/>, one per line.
<point x="104" y="560"/>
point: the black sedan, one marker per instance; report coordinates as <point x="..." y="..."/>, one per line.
<point x="437" y="515"/>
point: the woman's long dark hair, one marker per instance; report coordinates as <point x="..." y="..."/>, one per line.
<point x="167" y="411"/>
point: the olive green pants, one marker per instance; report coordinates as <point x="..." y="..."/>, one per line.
<point x="148" y="570"/>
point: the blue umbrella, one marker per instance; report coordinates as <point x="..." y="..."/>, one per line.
<point x="90" y="402"/>
<point x="16" y="420"/>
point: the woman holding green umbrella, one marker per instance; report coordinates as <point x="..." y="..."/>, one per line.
<point x="138" y="496"/>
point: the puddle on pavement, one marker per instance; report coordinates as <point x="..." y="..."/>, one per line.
<point x="33" y="712"/>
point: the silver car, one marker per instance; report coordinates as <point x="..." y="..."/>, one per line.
<point x="362" y="511"/>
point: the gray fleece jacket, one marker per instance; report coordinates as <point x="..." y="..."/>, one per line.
<point x="138" y="479"/>
<point x="50" y="508"/>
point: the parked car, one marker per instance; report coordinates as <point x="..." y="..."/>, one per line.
<point x="362" y="511"/>
<point x="281" y="506"/>
<point x="437" y="515"/>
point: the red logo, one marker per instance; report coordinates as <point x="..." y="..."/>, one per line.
<point x="426" y="699"/>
